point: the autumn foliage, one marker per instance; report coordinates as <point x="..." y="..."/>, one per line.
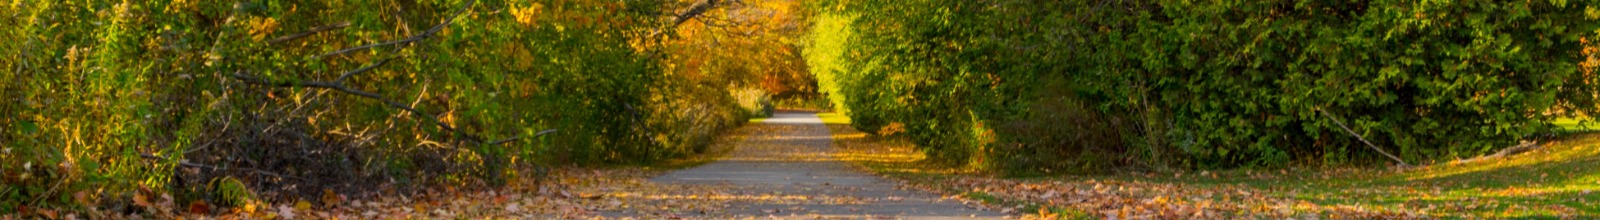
<point x="233" y="102"/>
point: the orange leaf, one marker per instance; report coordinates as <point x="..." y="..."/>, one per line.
<point x="49" y="213"/>
<point x="141" y="200"/>
<point x="329" y="198"/>
<point x="199" y="207"/>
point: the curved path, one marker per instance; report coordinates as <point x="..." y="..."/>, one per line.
<point x="794" y="162"/>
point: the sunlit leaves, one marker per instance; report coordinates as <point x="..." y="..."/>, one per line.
<point x="261" y="27"/>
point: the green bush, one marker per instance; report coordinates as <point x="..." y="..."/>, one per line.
<point x="1162" y="84"/>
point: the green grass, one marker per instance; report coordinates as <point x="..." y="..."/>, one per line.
<point x="1573" y="124"/>
<point x="834" y="118"/>
<point x="1559" y="180"/>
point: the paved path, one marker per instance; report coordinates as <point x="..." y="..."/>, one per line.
<point x="793" y="162"/>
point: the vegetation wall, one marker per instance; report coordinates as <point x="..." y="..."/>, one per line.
<point x="217" y="100"/>
<point x="1090" y="86"/>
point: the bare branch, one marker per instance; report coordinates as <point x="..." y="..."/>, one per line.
<point x="347" y="74"/>
<point x="188" y="164"/>
<point x="340" y="87"/>
<point x="419" y="37"/>
<point x="1363" y="139"/>
<point x="694" y="11"/>
<point x="310" y="32"/>
<point x="513" y="138"/>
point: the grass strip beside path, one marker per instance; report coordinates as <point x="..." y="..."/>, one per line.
<point x="1559" y="180"/>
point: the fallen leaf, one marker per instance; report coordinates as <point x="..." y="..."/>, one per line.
<point x="513" y="208"/>
<point x="302" y="205"/>
<point x="82" y="197"/>
<point x="199" y="207"/>
<point x="141" y="200"/>
<point x="331" y="199"/>
<point x="285" y="212"/>
<point x="166" y="204"/>
<point x="48" y="213"/>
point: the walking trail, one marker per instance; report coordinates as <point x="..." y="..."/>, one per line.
<point x="794" y="166"/>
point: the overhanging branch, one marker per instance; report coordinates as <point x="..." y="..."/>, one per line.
<point x="339" y="86"/>
<point x="310" y="32"/>
<point x="694" y="10"/>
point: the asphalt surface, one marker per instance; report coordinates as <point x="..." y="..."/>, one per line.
<point x="793" y="161"/>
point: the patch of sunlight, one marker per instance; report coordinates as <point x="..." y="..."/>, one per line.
<point x="834" y="118"/>
<point x="790" y="120"/>
<point x="1512" y="192"/>
<point x="923" y="171"/>
<point x="1571" y="124"/>
<point x="881" y="158"/>
<point x="791" y="158"/>
<point x="855" y="135"/>
<point x="796" y="138"/>
<point x="1568" y="150"/>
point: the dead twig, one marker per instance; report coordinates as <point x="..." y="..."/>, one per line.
<point x="314" y="30"/>
<point x="1523" y="147"/>
<point x="196" y="165"/>
<point x="340" y="87"/>
<point x="513" y="138"/>
<point x="1363" y="139"/>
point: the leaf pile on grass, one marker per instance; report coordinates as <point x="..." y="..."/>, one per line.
<point x="565" y="193"/>
<point x="1556" y="181"/>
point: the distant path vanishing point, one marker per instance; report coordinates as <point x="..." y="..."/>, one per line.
<point x="793" y="164"/>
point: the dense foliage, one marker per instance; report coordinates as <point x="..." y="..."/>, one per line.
<point x="1042" y="86"/>
<point x="217" y="100"/>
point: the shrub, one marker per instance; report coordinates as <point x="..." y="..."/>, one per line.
<point x="1158" y="84"/>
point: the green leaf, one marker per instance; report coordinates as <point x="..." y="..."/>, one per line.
<point x="28" y="127"/>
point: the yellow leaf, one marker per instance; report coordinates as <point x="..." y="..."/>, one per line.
<point x="250" y="207"/>
<point x="302" y="205"/>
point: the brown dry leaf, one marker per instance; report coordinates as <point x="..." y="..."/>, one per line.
<point x="48" y="213"/>
<point x="166" y="204"/>
<point x="331" y="199"/>
<point x="513" y="208"/>
<point x="141" y="200"/>
<point x="82" y="197"/>
<point x="199" y="207"/>
<point x="285" y="212"/>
